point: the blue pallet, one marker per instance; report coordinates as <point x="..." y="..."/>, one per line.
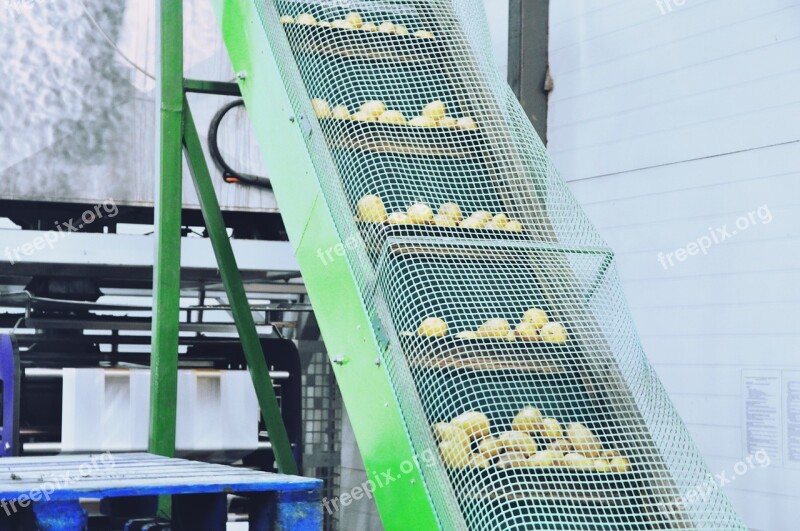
<point x="42" y="493"/>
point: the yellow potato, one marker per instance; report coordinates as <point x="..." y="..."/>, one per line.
<point x="454" y="453"/>
<point x="399" y="29"/>
<point x="444" y="221"/>
<point x="369" y="26"/>
<point x="392" y="117"/>
<point x="517" y="441"/>
<point x="494" y="328"/>
<point x="511" y="336"/>
<point x="324" y="24"/>
<point x="398" y="218"/>
<point x="354" y="19"/>
<point x="620" y="464"/>
<point x="373" y="108"/>
<point x="371" y="209"/>
<point x="451" y="210"/>
<point x="472" y="223"/>
<point x="440" y="430"/>
<point x="513" y="460"/>
<point x="340" y="112"/>
<point x="423" y="34"/>
<point x="420" y="213"/>
<point x="479" y="461"/>
<point x="583" y="440"/>
<point x="513" y="226"/>
<point x="433" y="327"/>
<point x="501" y="220"/>
<point x="306" y="19"/>
<point x="608" y="454"/>
<point x="386" y="27"/>
<point x="551" y="429"/>
<point x="321" y="108"/>
<point x="536" y="317"/>
<point x="448" y="121"/>
<point x="467" y="334"/>
<point x="474" y="423"/>
<point x="482" y="215"/>
<point x="342" y="24"/>
<point x="577" y="461"/>
<point x="467" y="124"/>
<point x="602" y="465"/>
<point x="287" y="19"/>
<point x="422" y="121"/>
<point x="435" y="110"/>
<point x="362" y="116"/>
<point x="528" y="420"/>
<point x="492" y="225"/>
<point x="544" y="458"/>
<point x="490" y="447"/>
<point x="561" y="446"/>
<point x="527" y="332"/>
<point x="554" y="333"/>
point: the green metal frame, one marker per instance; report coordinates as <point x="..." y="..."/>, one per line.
<point x="345" y="323"/>
<point x="176" y="129"/>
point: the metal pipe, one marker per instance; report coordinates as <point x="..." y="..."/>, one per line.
<point x="168" y="195"/>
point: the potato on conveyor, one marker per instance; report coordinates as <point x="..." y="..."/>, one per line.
<point x="371" y="209"/>
<point x="583" y="440"/>
<point x="554" y="333"/>
<point x="528" y="420"/>
<point x="474" y="423"/>
<point x="497" y="328"/>
<point x="517" y="441"/>
<point x="433" y="327"/>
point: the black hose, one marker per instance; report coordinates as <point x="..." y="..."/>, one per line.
<point x="228" y="173"/>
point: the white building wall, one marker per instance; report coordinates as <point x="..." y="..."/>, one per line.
<point x="668" y="122"/>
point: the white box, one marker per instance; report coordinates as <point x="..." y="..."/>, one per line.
<point x="109" y="410"/>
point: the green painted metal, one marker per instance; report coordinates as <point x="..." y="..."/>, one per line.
<point x="202" y="86"/>
<point x="166" y="269"/>
<point x="237" y="296"/>
<point x="345" y="322"/>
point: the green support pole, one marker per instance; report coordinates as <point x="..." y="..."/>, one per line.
<point x="167" y="265"/>
<point x="240" y="307"/>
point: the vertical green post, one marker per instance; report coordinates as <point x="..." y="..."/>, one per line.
<point x="167" y="263"/>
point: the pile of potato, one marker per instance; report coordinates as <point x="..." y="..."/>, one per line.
<point x="354" y="21"/>
<point x="534" y="326"/>
<point x="533" y="442"/>
<point x="372" y="210"/>
<point x="433" y="115"/>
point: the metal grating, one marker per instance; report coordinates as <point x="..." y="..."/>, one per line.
<point x="322" y="429"/>
<point x="586" y="436"/>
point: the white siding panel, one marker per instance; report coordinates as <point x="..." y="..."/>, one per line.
<point x="667" y="126"/>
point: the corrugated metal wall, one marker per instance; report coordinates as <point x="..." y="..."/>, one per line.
<point x="673" y="121"/>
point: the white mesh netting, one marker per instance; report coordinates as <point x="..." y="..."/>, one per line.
<point x="509" y="343"/>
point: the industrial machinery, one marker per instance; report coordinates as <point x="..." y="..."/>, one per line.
<point x="473" y="315"/>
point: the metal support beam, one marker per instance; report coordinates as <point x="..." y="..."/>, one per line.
<point x="167" y="264"/>
<point x="528" y="66"/>
<point x="237" y="297"/>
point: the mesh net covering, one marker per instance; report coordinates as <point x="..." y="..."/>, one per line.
<point x="599" y="445"/>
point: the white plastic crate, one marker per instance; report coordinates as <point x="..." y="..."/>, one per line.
<point x="108" y="410"/>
